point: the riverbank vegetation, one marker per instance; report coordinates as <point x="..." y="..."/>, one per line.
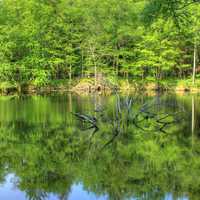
<point x="54" y="44"/>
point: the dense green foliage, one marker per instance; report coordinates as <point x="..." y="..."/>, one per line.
<point x="44" y="146"/>
<point x="41" y="41"/>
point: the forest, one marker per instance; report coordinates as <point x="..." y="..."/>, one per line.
<point x="44" y="42"/>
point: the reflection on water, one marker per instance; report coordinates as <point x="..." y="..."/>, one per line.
<point x="8" y="191"/>
<point x="48" y="153"/>
<point x="77" y="192"/>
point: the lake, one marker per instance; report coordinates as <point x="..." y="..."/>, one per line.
<point x="118" y="147"/>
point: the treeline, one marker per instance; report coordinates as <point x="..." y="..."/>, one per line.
<point x="45" y="40"/>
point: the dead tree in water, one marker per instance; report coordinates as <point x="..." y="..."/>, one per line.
<point x="126" y="115"/>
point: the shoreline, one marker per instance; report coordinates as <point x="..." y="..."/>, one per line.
<point x="85" y="89"/>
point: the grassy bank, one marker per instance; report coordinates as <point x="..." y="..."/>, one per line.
<point x="87" y="85"/>
<point x="7" y="88"/>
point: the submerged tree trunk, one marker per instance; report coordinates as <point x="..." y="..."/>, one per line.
<point x="194" y="64"/>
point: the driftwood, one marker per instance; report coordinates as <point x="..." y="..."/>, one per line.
<point x="124" y="117"/>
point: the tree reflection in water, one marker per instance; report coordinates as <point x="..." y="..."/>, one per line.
<point x="49" y="149"/>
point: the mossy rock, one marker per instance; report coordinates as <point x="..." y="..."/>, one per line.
<point x="88" y="86"/>
<point x="83" y="86"/>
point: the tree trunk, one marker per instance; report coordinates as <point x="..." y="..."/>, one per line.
<point x="117" y="65"/>
<point x="127" y="76"/>
<point x="82" y="70"/>
<point x="70" y="74"/>
<point x="194" y="65"/>
<point x="95" y="65"/>
<point x="95" y="73"/>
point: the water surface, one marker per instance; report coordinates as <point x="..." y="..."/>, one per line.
<point x="46" y="152"/>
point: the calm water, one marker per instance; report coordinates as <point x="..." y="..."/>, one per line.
<point x="100" y="147"/>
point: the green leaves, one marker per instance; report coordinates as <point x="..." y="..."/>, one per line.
<point x="57" y="36"/>
<point x="176" y="10"/>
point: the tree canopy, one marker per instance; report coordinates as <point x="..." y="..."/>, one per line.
<point x="42" y="41"/>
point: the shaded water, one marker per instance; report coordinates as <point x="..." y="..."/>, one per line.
<point x="48" y="153"/>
